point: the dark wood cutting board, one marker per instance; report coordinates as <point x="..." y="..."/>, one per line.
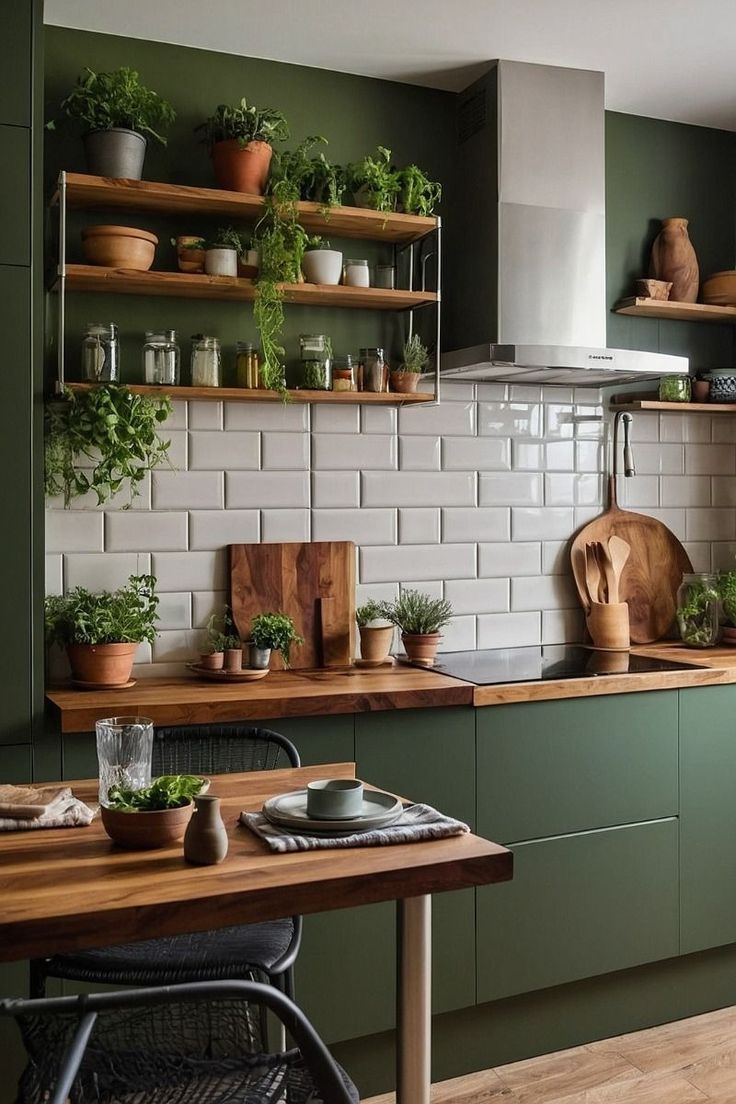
<point x="294" y="579"/>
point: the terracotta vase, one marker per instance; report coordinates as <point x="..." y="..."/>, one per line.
<point x="242" y="168"/>
<point x="102" y="664"/>
<point x="673" y="259"/>
<point x="421" y="648"/>
<point x="405" y="382"/>
<point x="205" y="841"/>
<point x="375" y="642"/>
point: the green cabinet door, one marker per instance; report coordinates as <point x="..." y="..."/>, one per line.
<point x="346" y="975"/>
<point x="707" y="817"/>
<point x="554" y="767"/>
<point x="15" y="764"/>
<point x="579" y="906"/>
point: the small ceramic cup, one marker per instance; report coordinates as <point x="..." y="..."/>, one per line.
<point x="334" y="798"/>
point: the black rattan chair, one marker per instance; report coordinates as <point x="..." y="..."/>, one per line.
<point x="186" y="1044"/>
<point x="254" y="952"/>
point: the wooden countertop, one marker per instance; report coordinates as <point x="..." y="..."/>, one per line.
<point x="282" y="694"/>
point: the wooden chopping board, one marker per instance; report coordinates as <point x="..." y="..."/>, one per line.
<point x="314" y="583"/>
<point x="652" y="575"/>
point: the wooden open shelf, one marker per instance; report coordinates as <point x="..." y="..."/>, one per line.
<point x="187" y="285"/>
<point x="84" y="191"/>
<point x="682" y="312"/>
<point x="241" y="394"/>
<point x="638" y="400"/>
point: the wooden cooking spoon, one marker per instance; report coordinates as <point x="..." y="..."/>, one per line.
<point x="592" y="573"/>
<point x="618" y="554"/>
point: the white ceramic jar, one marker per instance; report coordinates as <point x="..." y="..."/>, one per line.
<point x="322" y="266"/>
<point x="221" y="262"/>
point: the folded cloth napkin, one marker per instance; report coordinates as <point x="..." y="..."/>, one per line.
<point x="416" y="823"/>
<point x="28" y="801"/>
<point x="63" y="811"/>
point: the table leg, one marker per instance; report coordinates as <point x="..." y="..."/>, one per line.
<point x="414" y="1000"/>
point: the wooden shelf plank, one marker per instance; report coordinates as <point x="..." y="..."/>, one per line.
<point x="144" y="195"/>
<point x="241" y="394"/>
<point x="187" y="285"/>
<point x="683" y="312"/>
<point x="619" y="402"/>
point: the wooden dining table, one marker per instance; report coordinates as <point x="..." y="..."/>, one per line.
<point x="71" y="889"/>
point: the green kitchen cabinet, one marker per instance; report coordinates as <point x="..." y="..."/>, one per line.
<point x="15" y="764"/>
<point x="579" y="906"/>
<point x="707" y="817"/>
<point x="555" y="767"/>
<point x="319" y="739"/>
<point x="15" y="196"/>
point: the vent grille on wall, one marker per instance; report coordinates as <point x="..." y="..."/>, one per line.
<point x="471" y="116"/>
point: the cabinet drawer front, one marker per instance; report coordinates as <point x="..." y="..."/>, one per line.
<point x="579" y="906"/>
<point x="548" y="768"/>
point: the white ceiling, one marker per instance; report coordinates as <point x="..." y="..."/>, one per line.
<point x="669" y="59"/>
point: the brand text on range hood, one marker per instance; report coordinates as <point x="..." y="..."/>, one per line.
<point x="528" y="290"/>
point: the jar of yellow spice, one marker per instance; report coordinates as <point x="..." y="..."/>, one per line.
<point x="247" y="368"/>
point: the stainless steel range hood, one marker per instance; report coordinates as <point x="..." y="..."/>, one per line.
<point x="527" y="289"/>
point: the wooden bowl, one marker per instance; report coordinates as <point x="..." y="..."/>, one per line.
<point x="720" y="289"/>
<point x="119" y="247"/>
<point x="146" y="831"/>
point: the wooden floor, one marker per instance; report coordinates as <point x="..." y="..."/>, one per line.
<point x="686" y="1062"/>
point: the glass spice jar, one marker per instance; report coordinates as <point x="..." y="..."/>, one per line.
<point x="675" y="389"/>
<point x="247" y="368"/>
<point x="357" y="273"/>
<point x="343" y="373"/>
<point x="373" y="372"/>
<point x="698" y="610"/>
<point x="101" y="353"/>
<point x="384" y="276"/>
<point x="316" y="358"/>
<point x="206" y="361"/>
<point x="161" y="359"/>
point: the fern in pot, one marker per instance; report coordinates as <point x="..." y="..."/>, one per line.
<point x="101" y="632"/>
<point x="420" y="619"/>
<point x="376" y="631"/>
<point x="406" y="378"/>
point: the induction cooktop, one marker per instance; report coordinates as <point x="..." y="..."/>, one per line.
<point x="540" y="664"/>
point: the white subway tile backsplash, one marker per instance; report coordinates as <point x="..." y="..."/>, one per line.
<point x="285" y="525"/>
<point x="360" y="526"/>
<point x="458" y="635"/>
<point x="683" y="490"/>
<point x="555" y="557"/>
<point x="123" y="500"/>
<point x="491" y="392"/>
<point x="205" y="415"/>
<point x="564" y="626"/>
<point x="553" y="394"/>
<point x="714" y="524"/>
<point x="485" y="523"/>
<point x="510" y="489"/>
<point x="643" y="490"/>
<point x="525" y="392"/>
<point x="541" y="522"/>
<point x="509" y="420"/>
<point x="545" y="592"/>
<point x="700" y="554"/>
<point x="418" y="489"/>
<point x="723" y="429"/>
<point x="509" y="630"/>
<point x="723" y="491"/>
<point x="659" y="459"/>
<point x="151" y="532"/>
<point x="710" y="459"/>
<point x="379" y="592"/>
<point x="691" y="428"/>
<point x="284" y="451"/>
<point x="204" y="604"/>
<point x="177" y="571"/>
<point x="187" y="490"/>
<point x="74" y="531"/>
<point x="372" y="452"/>
<point x="478" y="595"/>
<point x="543" y="456"/>
<point x="178" y="417"/>
<point x="723" y="557"/>
<point x="559" y="421"/>
<point x="569" y="489"/>
<point x="53" y="574"/>
<point x="456" y="418"/>
<point x="419" y="453"/>
<point x="211" y="529"/>
<point x="589" y="456"/>
<point x="176" y="646"/>
<point x="336" y="419"/>
<point x="292" y="417"/>
<point x="177" y="450"/>
<point x="451" y="390"/>
<point x="434" y="588"/>
<point x="335" y="489"/>
<point x="378" y="419"/>
<point x="587" y="395"/>
<point x="645" y="427"/>
<point x="503" y="560"/>
<point x="416" y="562"/>
<point x="251" y="490"/>
<point x="419" y="526"/>
<point x="217" y="451"/>
<point x="104" y="570"/>
<point x="476" y="454"/>
<point x="175" y="611"/>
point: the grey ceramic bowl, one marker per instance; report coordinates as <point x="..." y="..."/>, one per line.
<point x="335" y="798"/>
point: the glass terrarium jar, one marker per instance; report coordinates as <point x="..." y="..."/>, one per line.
<point x="101" y="353"/>
<point x="675" y="389"/>
<point x="316" y="358"/>
<point x="698" y="610"/>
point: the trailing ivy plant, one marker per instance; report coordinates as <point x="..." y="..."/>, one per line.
<point x="110" y="427"/>
<point x="100" y="101"/>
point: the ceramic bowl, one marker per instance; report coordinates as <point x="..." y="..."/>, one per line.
<point x="146" y="831"/>
<point x="334" y="798"/>
<point x="119" y="247"/>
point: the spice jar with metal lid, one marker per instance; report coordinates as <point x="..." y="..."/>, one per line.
<point x="161" y="358"/>
<point x="373" y="370"/>
<point x="101" y="353"/>
<point x="247" y="368"/>
<point x="357" y="273"/>
<point x="316" y="358"/>
<point x="206" y="361"/>
<point x="343" y="373"/>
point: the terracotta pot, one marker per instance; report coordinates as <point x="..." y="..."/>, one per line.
<point x="422" y="647"/>
<point x="233" y="659"/>
<point x="104" y="664"/>
<point x="146" y="831"/>
<point x="242" y="168"/>
<point x="673" y="259"/>
<point x="205" y="840"/>
<point x="119" y="247"/>
<point x="375" y="642"/>
<point x="212" y="661"/>
<point x="701" y="390"/>
<point x="405" y="382"/>
<point x="189" y="260"/>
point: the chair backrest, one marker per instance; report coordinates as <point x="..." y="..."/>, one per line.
<point x="220" y="749"/>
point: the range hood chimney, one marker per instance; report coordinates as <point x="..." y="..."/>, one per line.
<point x="530" y="284"/>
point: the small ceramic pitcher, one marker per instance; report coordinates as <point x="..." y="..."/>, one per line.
<point x="205" y="841"/>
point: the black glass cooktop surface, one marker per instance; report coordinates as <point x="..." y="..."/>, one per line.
<point x="539" y="664"/>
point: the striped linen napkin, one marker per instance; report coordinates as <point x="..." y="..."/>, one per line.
<point x="416" y="824"/>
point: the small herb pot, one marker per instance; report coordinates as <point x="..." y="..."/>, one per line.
<point x="375" y="642"/>
<point x="233" y="659"/>
<point x="405" y="382"/>
<point x="221" y="261"/>
<point x="322" y="266"/>
<point x="260" y="658"/>
<point x="212" y="661"/>
<point x="421" y="647"/>
<point x="189" y="259"/>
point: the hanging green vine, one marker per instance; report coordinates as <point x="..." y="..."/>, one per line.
<point x="110" y="427"/>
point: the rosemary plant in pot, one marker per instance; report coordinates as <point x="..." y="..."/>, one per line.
<point x="420" y="618"/>
<point x="101" y="632"/>
<point x="272" y="632"/>
<point x="406" y="378"/>
<point x="240" y="140"/>
<point x="376" y="631"/>
<point x="118" y="114"/>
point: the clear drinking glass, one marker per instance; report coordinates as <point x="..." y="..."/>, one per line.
<point x="124" y="748"/>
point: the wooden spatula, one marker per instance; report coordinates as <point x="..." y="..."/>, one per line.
<point x="618" y="554"/>
<point x="592" y="573"/>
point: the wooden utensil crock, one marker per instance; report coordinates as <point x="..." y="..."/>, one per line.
<point x="608" y="625"/>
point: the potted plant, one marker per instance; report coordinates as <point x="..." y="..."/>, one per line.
<point x="374" y="182"/>
<point x="101" y="632"/>
<point x="110" y="427"/>
<point x="248" y="262"/>
<point x="376" y="631"/>
<point x="727" y="591"/>
<point x="272" y="632"/>
<point x="212" y="656"/>
<point x="189" y="252"/>
<point x="221" y="254"/>
<point x="420" y="618"/>
<point x="232" y="644"/>
<point x="152" y="817"/>
<point x="118" y="114"/>
<point x="311" y="178"/>
<point x="321" y="264"/>
<point x="240" y="141"/>
<point x="406" y="378"/>
<point x="418" y="195"/>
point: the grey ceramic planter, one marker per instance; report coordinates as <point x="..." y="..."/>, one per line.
<point x="259" y="657"/>
<point x="116" y="153"/>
